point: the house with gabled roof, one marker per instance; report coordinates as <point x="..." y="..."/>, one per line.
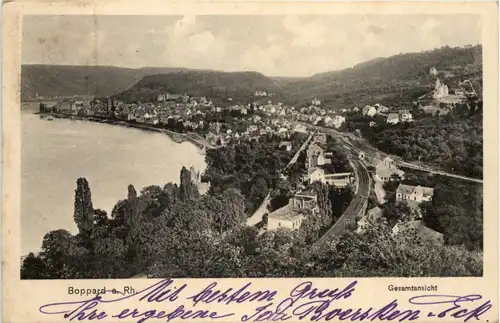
<point x="385" y="170"/>
<point x="393" y="118"/>
<point x="420" y="229"/>
<point x="371" y="217"/>
<point x="414" y="193"/>
<point x="291" y="215"/>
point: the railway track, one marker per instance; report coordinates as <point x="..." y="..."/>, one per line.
<point x="355" y="207"/>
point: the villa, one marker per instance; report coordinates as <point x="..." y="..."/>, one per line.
<point x="414" y="193"/>
<point x="293" y="214"/>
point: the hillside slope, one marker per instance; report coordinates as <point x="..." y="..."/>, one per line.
<point x="384" y="78"/>
<point x="240" y="86"/>
<point x="396" y="79"/>
<point x="60" y="80"/>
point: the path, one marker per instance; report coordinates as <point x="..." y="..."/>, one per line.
<point x="262" y="209"/>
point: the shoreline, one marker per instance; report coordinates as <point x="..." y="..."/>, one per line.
<point x="176" y="137"/>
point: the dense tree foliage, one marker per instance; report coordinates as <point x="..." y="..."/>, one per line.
<point x="453" y="142"/>
<point x="204" y="237"/>
<point x="252" y="167"/>
<point x="456" y="209"/>
<point x="240" y="86"/>
<point x="399" y="78"/>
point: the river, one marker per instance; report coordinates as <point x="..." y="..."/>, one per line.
<point x="55" y="153"/>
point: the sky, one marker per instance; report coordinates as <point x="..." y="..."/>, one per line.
<point x="272" y="45"/>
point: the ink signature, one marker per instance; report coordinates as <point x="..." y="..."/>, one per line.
<point x="456" y="303"/>
<point x="163" y="291"/>
<point x="304" y="302"/>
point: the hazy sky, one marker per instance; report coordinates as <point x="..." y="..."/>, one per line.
<point x="273" y="45"/>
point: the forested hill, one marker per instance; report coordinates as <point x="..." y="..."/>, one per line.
<point x="61" y="80"/>
<point x="385" y="80"/>
<point x="239" y="86"/>
<point x="382" y="78"/>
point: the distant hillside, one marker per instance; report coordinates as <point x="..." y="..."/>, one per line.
<point x="240" y="86"/>
<point x="60" y="80"/>
<point x="396" y="79"/>
<point x="383" y="79"/>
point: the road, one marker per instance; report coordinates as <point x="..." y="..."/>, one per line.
<point x="296" y="156"/>
<point x="261" y="210"/>
<point x="355" y="207"/>
<point x="374" y="153"/>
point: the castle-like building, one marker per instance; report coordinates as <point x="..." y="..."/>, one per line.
<point x="440" y="90"/>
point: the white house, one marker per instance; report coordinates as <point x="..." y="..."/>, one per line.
<point x="406" y="117"/>
<point x="440" y="90"/>
<point x="338" y="120"/>
<point x="369" y="110"/>
<point x="420" y="229"/>
<point x="371" y="217"/>
<point x="292" y="215"/>
<point x="393" y="118"/>
<point x="286" y="144"/>
<point x="338" y="179"/>
<point x="386" y="168"/>
<point x="285" y="217"/>
<point x="414" y="193"/>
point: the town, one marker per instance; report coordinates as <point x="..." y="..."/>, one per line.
<point x="220" y="126"/>
<point x="295" y="178"/>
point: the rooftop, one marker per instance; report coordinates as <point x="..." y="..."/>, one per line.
<point x="409" y="189"/>
<point x="285" y="213"/>
<point x="422" y="230"/>
<point x="307" y="193"/>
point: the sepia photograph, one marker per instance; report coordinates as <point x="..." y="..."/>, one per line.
<point x="251" y="146"/>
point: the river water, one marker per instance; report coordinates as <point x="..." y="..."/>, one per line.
<point x="55" y="153"/>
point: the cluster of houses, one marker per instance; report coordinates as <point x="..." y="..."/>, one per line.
<point x="317" y="157"/>
<point x="256" y="126"/>
<point x="305" y="202"/>
<point x="413" y="195"/>
<point x="262" y="93"/>
<point x="168" y="106"/>
<point x="385" y="171"/>
<point x="312" y="113"/>
<point x="392" y="117"/>
<point x="191" y="112"/>
<point x="412" y="225"/>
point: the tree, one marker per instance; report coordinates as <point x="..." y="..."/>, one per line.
<point x="100" y="218"/>
<point x="108" y="258"/>
<point x="33" y="267"/>
<point x="258" y="192"/>
<point x="396" y="211"/>
<point x="234" y="207"/>
<point x="64" y="255"/>
<point x="377" y="252"/>
<point x="188" y="189"/>
<point x="265" y="219"/>
<point x="132" y="211"/>
<point x="84" y="211"/>
<point x="322" y="191"/>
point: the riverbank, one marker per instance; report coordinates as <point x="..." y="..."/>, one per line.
<point x="175" y="136"/>
<point x="56" y="153"/>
